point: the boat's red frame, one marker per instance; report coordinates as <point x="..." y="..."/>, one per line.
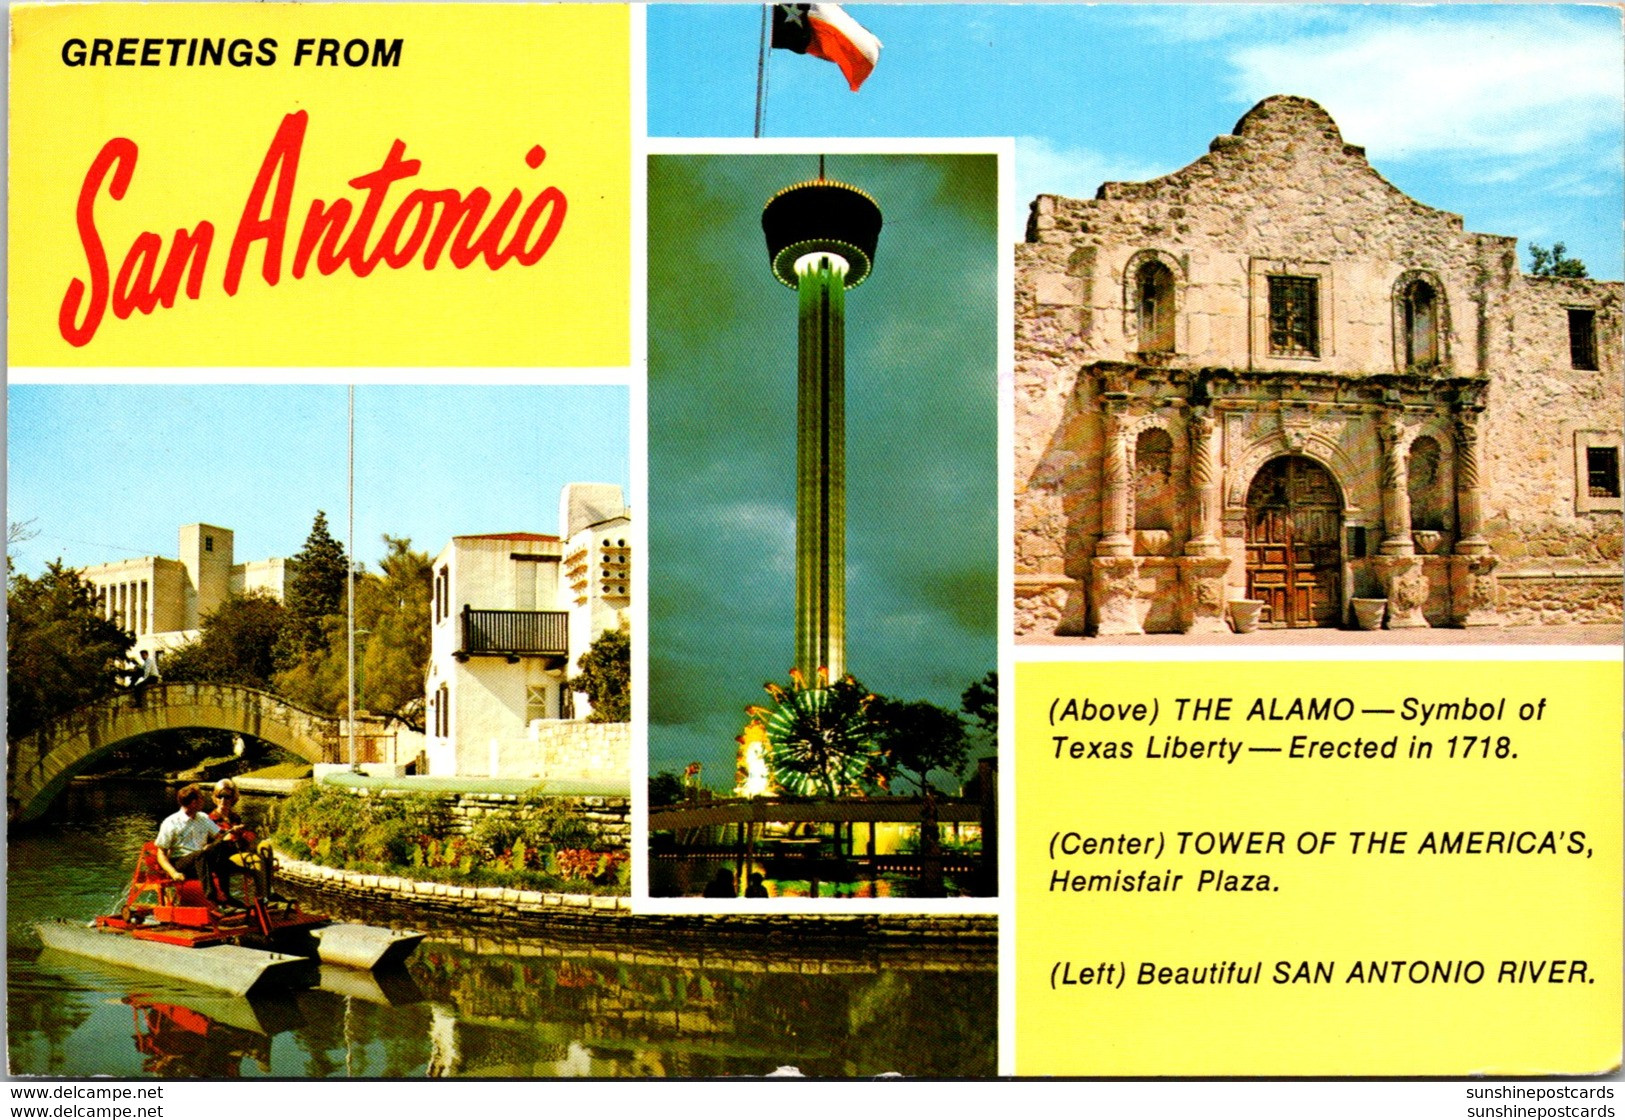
<point x="185" y="916"/>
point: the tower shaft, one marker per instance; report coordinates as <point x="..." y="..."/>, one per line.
<point x="821" y="469"/>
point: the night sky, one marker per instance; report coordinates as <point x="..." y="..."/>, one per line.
<point x="922" y="447"/>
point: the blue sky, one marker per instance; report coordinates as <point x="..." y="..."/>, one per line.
<point x="109" y="472"/>
<point x="1507" y="114"/>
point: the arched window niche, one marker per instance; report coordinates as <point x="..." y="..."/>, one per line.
<point x="1419" y="322"/>
<point x="1428" y="476"/>
<point x="1151" y="300"/>
<point x="1155" y="500"/>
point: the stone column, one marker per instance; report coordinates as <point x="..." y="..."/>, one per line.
<point x="1204" y="486"/>
<point x="1204" y="567"/>
<point x="1399" y="568"/>
<point x="1396" y="493"/>
<point x="1114" y="571"/>
<point x="1469" y="489"/>
<point x="1115" y="539"/>
<point x="1474" y="592"/>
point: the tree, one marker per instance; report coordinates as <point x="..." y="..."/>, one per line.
<point x="916" y="737"/>
<point x="665" y="788"/>
<point x="60" y="651"/>
<point x="1553" y="262"/>
<point x="236" y="644"/>
<point x="820" y="738"/>
<point x="318" y="681"/>
<point x="980" y="701"/>
<point x="394" y="609"/>
<point x="606" y="677"/>
<point x="315" y="593"/>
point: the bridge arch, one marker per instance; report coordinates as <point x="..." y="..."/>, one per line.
<point x="39" y="765"/>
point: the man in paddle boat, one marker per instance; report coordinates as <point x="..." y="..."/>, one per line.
<point x="189" y="848"/>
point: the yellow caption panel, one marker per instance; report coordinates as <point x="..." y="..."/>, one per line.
<point x="1318" y="869"/>
<point x="319" y="184"/>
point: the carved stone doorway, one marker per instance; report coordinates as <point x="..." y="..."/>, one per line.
<point x="1294" y="543"/>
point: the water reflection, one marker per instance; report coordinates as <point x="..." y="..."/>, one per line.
<point x="478" y="1005"/>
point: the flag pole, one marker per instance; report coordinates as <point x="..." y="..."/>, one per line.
<point x="761" y="72"/>
<point x="349" y="592"/>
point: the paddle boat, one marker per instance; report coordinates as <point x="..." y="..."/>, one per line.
<point x="172" y="929"/>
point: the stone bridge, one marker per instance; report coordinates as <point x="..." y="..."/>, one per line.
<point x="38" y="766"/>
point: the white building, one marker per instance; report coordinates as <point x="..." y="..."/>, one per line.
<point x="163" y="601"/>
<point x="510" y="616"/>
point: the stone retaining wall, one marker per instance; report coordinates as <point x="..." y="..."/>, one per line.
<point x="519" y="909"/>
<point x="478" y="902"/>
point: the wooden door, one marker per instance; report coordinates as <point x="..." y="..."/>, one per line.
<point x="1294" y="543"/>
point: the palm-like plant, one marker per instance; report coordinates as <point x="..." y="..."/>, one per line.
<point x="821" y="741"/>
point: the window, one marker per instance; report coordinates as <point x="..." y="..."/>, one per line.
<point x="1582" y="338"/>
<point x="1294" y="317"/>
<point x="208" y="542"/>
<point x="1154" y="288"/>
<point x="1602" y="472"/>
<point x="1421" y="313"/>
<point x="1596" y="472"/>
<point x="1290" y="323"/>
<point x="535" y="702"/>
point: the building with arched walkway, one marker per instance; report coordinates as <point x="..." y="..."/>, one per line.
<point x="1272" y="378"/>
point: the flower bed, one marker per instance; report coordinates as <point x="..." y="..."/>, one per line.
<point x="544" y="844"/>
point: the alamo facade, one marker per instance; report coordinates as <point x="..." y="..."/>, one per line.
<point x="1272" y="384"/>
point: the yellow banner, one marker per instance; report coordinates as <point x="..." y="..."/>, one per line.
<point x="320" y="184"/>
<point x="1318" y="868"/>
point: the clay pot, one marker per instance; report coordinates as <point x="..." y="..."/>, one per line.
<point x="1244" y="614"/>
<point x="1368" y="613"/>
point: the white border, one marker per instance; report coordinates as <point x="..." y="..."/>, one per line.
<point x="1003" y="149"/>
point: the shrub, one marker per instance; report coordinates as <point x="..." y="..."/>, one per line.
<point x="556" y="821"/>
<point x="595" y="867"/>
<point x="496" y="836"/>
<point x="388" y="842"/>
<point x="319" y="815"/>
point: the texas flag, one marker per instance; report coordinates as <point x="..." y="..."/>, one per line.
<point x="824" y="31"/>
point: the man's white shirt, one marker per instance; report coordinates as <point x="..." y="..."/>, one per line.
<point x="181" y="835"/>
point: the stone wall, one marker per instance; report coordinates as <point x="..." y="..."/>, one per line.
<point x="1540" y="409"/>
<point x="572" y="750"/>
<point x="1534" y="598"/>
<point x="597" y="915"/>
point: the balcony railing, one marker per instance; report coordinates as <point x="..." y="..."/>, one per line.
<point x="515" y="633"/>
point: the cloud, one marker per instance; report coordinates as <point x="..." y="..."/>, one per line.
<point x="1538" y="85"/>
<point x="1203" y="23"/>
<point x="1044" y="167"/>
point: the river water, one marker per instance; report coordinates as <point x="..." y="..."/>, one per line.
<point x="470" y="1003"/>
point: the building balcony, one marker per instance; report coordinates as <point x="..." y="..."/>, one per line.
<point x="515" y="634"/>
